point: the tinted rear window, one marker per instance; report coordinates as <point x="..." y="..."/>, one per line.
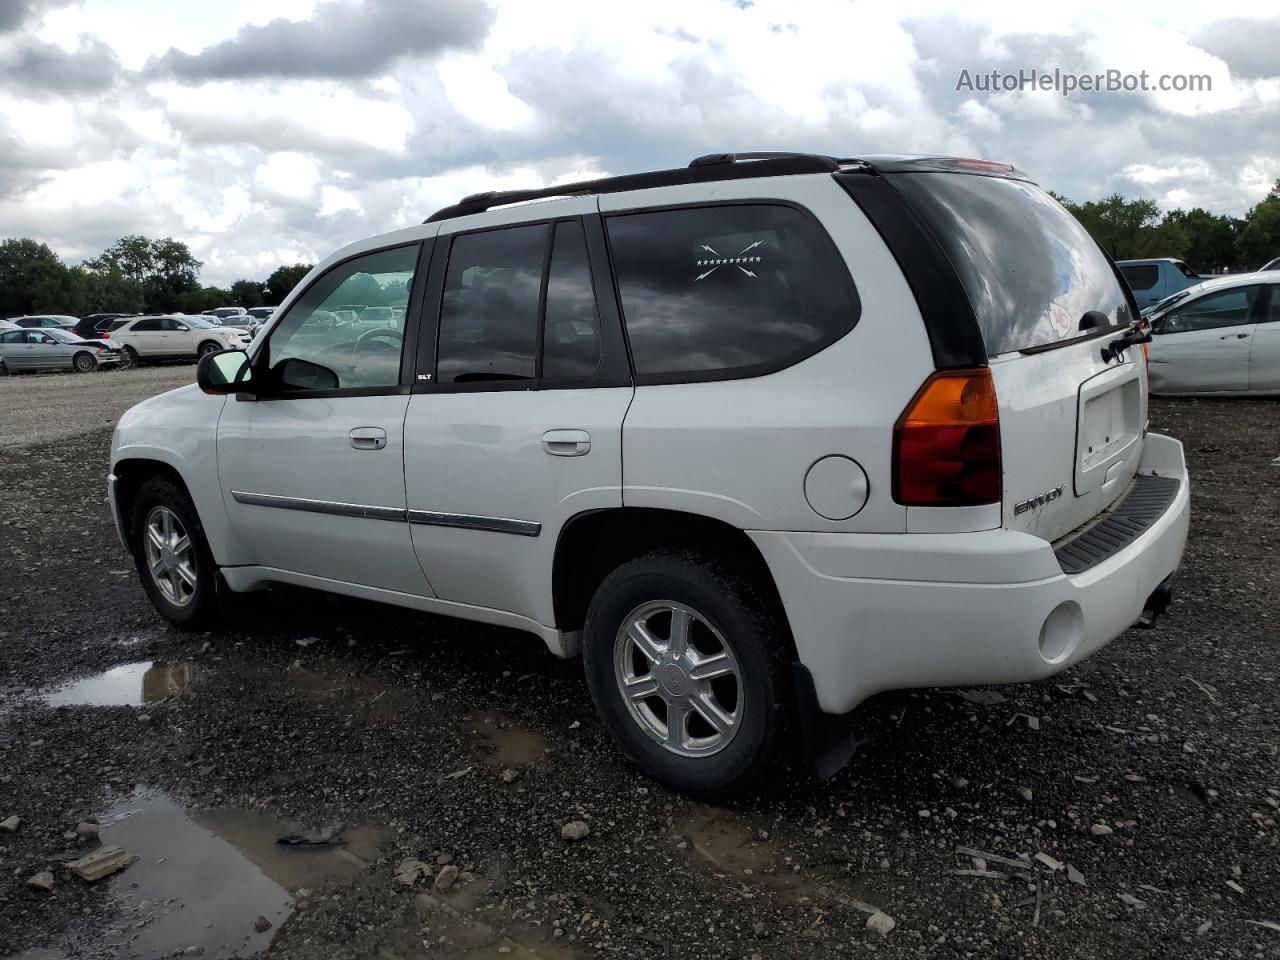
<point x="1030" y="269"/>
<point x="735" y="290"/>
<point x="1141" y="276"/>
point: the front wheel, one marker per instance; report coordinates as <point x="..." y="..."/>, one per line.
<point x="130" y="358"/>
<point x="84" y="363"/>
<point x="207" y="348"/>
<point x="686" y="663"/>
<point x="172" y="555"/>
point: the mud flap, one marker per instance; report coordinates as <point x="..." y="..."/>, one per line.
<point x="828" y="739"/>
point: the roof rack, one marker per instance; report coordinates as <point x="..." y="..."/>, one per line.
<point x="712" y="166"/>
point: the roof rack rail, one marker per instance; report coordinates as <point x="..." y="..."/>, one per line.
<point x="713" y="166"/>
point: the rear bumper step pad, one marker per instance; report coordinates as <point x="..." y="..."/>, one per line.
<point x="1143" y="506"/>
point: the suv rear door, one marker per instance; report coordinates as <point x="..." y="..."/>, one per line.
<point x="1071" y="422"/>
<point x="515" y="424"/>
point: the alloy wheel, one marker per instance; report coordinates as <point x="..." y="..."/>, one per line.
<point x="679" y="678"/>
<point x="170" y="556"/>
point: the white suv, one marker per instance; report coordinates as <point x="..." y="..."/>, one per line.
<point x="761" y="437"/>
<point x="172" y="337"/>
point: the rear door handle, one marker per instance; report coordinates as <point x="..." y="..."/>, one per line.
<point x="368" y="438"/>
<point x="1235" y="336"/>
<point x="566" y="443"/>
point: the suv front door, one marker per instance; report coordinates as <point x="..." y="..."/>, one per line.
<point x="312" y="471"/>
<point x="515" y="424"/>
<point x="1202" y="345"/>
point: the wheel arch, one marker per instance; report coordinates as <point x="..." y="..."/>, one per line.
<point x="594" y="543"/>
<point x="131" y="473"/>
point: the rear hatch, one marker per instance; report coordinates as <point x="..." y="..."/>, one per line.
<point x="1071" y="423"/>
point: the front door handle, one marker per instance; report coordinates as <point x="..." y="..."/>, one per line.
<point x="368" y="438"/>
<point x="566" y="443"/>
<point x="1235" y="336"/>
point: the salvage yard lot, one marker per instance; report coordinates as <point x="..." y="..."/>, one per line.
<point x="1152" y="770"/>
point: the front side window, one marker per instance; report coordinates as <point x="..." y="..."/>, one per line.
<point x="1140" y="276"/>
<point x="358" y="355"/>
<point x="489" y="315"/>
<point x="731" y="290"/>
<point x="1227" y="308"/>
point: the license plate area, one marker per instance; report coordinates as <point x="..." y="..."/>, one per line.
<point x="1108" y="426"/>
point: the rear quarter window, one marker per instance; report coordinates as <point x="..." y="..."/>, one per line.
<point x="727" y="291"/>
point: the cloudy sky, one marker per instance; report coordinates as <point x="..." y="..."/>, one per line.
<point x="264" y="132"/>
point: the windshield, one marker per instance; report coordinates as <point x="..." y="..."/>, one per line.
<point x="62" y="336"/>
<point x="1030" y="269"/>
<point x="1166" y="303"/>
<point x="200" y="323"/>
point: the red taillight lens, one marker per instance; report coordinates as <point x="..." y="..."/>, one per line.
<point x="946" y="444"/>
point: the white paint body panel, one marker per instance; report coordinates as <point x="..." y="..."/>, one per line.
<point x="1202" y="361"/>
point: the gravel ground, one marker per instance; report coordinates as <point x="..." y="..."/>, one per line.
<point x="39" y="407"/>
<point x="1148" y="773"/>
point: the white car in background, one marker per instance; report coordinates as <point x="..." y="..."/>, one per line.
<point x="176" y="337"/>
<point x="1220" y="337"/>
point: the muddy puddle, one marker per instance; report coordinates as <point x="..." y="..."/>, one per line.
<point x="203" y="879"/>
<point x="128" y="685"/>
<point x="743" y="847"/>
<point x="503" y="743"/>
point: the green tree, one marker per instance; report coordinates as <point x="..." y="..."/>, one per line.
<point x="201" y="299"/>
<point x="164" y="269"/>
<point x="282" y="281"/>
<point x="1259" y="241"/>
<point x="1211" y="240"/>
<point x="34" y="280"/>
<point x="247" y="293"/>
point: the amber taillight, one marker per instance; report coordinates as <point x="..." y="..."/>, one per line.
<point x="946" y="444"/>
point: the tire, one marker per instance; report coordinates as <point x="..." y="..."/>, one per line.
<point x="208" y="347"/>
<point x="130" y="358"/>
<point x="187" y="599"/>
<point x="727" y="615"/>
<point x="84" y="363"/>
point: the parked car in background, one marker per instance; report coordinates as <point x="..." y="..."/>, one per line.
<point x="46" y="321"/>
<point x="1222" y="336"/>
<point x="1153" y="280"/>
<point x="261" y="314"/>
<point x="1268" y="267"/>
<point x="761" y="436"/>
<point x="8" y="325"/>
<point x="242" y="321"/>
<point x="173" y="336"/>
<point x="58" y="349"/>
<point x="224" y="312"/>
<point x="96" y="324"/>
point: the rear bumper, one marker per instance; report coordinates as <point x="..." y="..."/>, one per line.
<point x="882" y="612"/>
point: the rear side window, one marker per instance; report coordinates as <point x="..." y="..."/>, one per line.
<point x="143" y="326"/>
<point x="1140" y="276"/>
<point x="734" y="290"/>
<point x="489" y="317"/>
<point x="1030" y="269"/>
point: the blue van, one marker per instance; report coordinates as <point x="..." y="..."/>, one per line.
<point x="1153" y="280"/>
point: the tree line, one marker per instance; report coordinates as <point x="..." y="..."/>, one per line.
<point x="139" y="275"/>
<point x="133" y="275"/>
<point x="1207" y="242"/>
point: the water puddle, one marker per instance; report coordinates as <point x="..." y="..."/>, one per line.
<point x="128" y="685"/>
<point x="506" y="744"/>
<point x="202" y="880"/>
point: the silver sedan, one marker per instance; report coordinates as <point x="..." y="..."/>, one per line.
<point x="55" y="349"/>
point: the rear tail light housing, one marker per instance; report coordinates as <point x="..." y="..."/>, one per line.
<point x="946" y="444"/>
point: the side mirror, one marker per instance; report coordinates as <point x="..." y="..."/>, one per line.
<point x="298" y="374"/>
<point x="182" y="328"/>
<point x="226" y="371"/>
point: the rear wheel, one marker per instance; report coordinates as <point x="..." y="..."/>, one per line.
<point x="208" y="347"/>
<point x="172" y="554"/>
<point x="84" y="362"/>
<point x="685" y="663"/>
<point x="130" y="358"/>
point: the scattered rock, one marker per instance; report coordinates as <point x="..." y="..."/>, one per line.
<point x="1076" y="877"/>
<point x="306" y="641"/>
<point x="1204" y="928"/>
<point x="101" y="863"/>
<point x="510" y="776"/>
<point x="10" y="824"/>
<point x="575" y="830"/>
<point x="444" y="879"/>
<point x="1231" y="884"/>
<point x="1048" y="861"/>
<point x="410" y="872"/>
<point x="443" y="858"/>
<point x="1131" y="901"/>
<point x="87" y="828"/>
<point x="881" y="923"/>
<point x="42" y="881"/>
<point x="1025" y="793"/>
<point x="1100" y="830"/>
<point x="262" y="925"/>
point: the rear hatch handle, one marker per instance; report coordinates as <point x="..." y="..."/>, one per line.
<point x="1116" y="348"/>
